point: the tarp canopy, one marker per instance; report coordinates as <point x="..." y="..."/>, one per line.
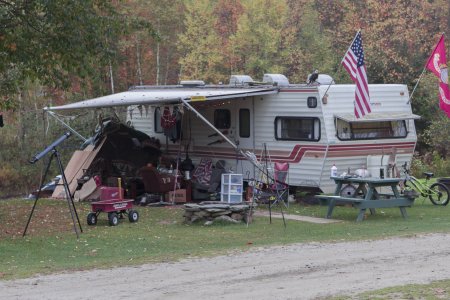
<point x="378" y="117"/>
<point x="167" y="95"/>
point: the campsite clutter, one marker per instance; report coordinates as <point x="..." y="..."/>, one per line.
<point x="315" y="127"/>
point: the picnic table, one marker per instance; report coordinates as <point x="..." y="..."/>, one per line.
<point x="366" y="195"/>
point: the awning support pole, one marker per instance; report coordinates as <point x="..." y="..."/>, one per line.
<point x="199" y="115"/>
<point x="66" y="125"/>
<point x="247" y="157"/>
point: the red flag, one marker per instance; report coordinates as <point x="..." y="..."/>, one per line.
<point x="353" y="62"/>
<point x="437" y="63"/>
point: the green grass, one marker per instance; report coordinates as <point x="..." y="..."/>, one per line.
<point x="436" y="290"/>
<point x="160" y="235"/>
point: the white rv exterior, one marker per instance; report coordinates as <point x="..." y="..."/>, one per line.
<point x="310" y="137"/>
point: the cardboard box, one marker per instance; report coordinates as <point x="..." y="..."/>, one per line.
<point x="179" y="196"/>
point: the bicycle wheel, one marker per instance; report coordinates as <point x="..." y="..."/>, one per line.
<point x="438" y="194"/>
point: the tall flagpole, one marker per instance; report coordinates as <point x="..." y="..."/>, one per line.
<point x="414" y="89"/>
<point x="423" y="71"/>
<point x="340" y="64"/>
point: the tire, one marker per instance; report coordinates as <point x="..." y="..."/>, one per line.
<point x="442" y="195"/>
<point x="91" y="219"/>
<point x="348" y="191"/>
<point x="133" y="216"/>
<point x="113" y="219"/>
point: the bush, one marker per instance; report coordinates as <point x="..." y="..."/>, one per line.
<point x="431" y="162"/>
<point x="9" y="180"/>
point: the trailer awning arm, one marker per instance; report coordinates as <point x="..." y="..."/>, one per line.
<point x="51" y="113"/>
<point x="199" y="115"/>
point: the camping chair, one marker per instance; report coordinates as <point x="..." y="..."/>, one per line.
<point x="280" y="187"/>
<point x="156" y="182"/>
<point x="202" y="187"/>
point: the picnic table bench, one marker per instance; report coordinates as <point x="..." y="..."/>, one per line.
<point x="370" y="198"/>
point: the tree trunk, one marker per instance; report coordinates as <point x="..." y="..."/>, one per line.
<point x="138" y="58"/>
<point x="111" y="77"/>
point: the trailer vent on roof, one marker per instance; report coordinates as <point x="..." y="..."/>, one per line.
<point x="276" y="79"/>
<point x="192" y="83"/>
<point x="240" y="79"/>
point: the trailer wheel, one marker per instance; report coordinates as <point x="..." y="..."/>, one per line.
<point x="92" y="218"/>
<point x="133" y="216"/>
<point x="113" y="219"/>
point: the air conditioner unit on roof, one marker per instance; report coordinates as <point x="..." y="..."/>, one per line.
<point x="240" y="79"/>
<point x="278" y="79"/>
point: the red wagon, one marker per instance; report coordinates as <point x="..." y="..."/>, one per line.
<point x="115" y="208"/>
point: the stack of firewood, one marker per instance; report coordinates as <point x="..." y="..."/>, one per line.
<point x="213" y="211"/>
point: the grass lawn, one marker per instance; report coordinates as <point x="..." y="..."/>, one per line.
<point x="436" y="290"/>
<point x="160" y="235"/>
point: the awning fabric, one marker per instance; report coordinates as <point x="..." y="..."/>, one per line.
<point x="167" y="95"/>
<point x="378" y="117"/>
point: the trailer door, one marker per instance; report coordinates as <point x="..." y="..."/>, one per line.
<point x="244" y="134"/>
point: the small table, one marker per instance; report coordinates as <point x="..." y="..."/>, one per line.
<point x="371" y="198"/>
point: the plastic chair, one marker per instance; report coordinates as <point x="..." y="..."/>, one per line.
<point x="280" y="187"/>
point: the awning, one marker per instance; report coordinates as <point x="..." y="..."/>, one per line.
<point x="378" y="117"/>
<point x="167" y="95"/>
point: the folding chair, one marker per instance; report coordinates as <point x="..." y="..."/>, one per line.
<point x="280" y="187"/>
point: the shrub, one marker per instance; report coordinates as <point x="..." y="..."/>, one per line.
<point x="431" y="162"/>
<point x="9" y="180"/>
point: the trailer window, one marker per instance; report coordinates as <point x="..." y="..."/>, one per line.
<point x="222" y="118"/>
<point x="370" y="130"/>
<point x="297" y="128"/>
<point x="244" y="123"/>
<point x="157" y="122"/>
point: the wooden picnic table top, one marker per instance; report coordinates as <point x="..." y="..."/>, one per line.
<point x="371" y="199"/>
<point x="368" y="180"/>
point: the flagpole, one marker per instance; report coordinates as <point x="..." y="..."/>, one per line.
<point x="359" y="30"/>
<point x="340" y="64"/>
<point x="414" y="89"/>
<point x="423" y="71"/>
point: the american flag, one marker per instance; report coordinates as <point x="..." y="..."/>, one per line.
<point x="353" y="62"/>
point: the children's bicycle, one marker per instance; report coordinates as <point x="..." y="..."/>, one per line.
<point x="437" y="192"/>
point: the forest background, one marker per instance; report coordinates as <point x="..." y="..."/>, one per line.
<point x="57" y="52"/>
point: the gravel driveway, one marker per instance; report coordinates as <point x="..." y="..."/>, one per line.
<point x="300" y="271"/>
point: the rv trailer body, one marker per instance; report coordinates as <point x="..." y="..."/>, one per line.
<point x="296" y="123"/>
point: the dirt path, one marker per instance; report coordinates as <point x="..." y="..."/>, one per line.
<point x="301" y="271"/>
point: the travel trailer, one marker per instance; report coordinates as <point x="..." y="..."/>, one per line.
<point x="310" y="126"/>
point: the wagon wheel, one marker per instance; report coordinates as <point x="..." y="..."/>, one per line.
<point x="113" y="219"/>
<point x="92" y="218"/>
<point x="133" y="216"/>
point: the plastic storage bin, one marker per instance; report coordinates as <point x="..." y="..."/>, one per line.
<point x="231" y="188"/>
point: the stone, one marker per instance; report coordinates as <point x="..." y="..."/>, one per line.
<point x="215" y="206"/>
<point x="221" y="213"/>
<point x="214" y="210"/>
<point x="237" y="217"/>
<point x="208" y="223"/>
<point x="226" y="219"/>
<point x="201" y="213"/>
<point x="193" y="209"/>
<point x="188" y="214"/>
<point x="240" y="207"/>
